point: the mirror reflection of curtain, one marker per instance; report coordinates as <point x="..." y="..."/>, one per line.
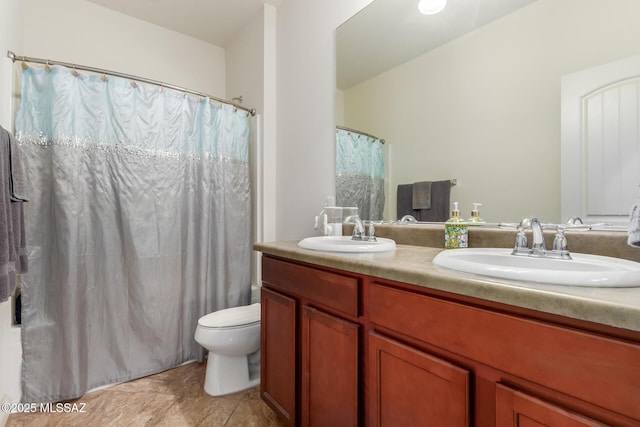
<point x="360" y="173"/>
<point x="138" y="224"/>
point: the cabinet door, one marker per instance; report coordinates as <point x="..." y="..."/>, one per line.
<point x="278" y="354"/>
<point x="412" y="388"/>
<point x="514" y="408"/>
<point x="329" y="370"/>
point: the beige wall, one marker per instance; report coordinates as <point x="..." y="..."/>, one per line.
<point x="485" y="108"/>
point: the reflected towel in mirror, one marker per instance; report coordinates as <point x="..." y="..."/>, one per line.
<point x="440" y="197"/>
<point x="421" y="196"/>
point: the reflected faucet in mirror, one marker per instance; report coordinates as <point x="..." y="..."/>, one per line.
<point x="407" y="219"/>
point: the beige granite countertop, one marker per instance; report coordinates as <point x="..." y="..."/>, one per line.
<point x="619" y="307"/>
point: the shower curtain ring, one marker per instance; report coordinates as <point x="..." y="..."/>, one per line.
<point x="47" y="68"/>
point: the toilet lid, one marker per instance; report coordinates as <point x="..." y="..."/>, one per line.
<point x="232" y="317"/>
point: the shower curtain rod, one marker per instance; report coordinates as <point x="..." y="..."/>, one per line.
<point x="360" y="132"/>
<point x="14" y="58"/>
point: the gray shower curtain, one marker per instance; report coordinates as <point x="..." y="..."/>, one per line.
<point x="138" y="224"/>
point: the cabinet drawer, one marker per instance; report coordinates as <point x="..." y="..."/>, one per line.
<point x="518" y="409"/>
<point x="593" y="368"/>
<point x="329" y="289"/>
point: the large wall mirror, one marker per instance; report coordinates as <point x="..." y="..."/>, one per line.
<point x="480" y="100"/>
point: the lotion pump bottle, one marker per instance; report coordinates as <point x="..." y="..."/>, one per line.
<point x="475" y="214"/>
<point x="455" y="230"/>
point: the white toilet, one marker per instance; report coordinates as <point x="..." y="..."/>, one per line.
<point x="231" y="335"/>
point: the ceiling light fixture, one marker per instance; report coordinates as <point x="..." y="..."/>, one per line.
<point x="431" y="7"/>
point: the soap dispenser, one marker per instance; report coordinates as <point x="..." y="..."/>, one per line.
<point x="475" y="214"/>
<point x="326" y="216"/>
<point x="455" y="230"/>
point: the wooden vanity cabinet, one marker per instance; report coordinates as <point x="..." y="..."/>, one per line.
<point x="311" y="344"/>
<point x="524" y="371"/>
<point x="352" y="350"/>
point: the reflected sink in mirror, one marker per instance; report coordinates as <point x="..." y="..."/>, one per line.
<point x="582" y="270"/>
<point x="346" y="244"/>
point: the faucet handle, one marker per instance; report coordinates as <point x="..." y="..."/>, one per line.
<point x="520" y="247"/>
<point x="560" y="247"/>
<point x="357" y="233"/>
<point x="371" y="233"/>
<point x="560" y="241"/>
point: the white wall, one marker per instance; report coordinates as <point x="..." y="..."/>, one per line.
<point x="479" y="110"/>
<point x="306" y="91"/>
<point x="80" y="32"/>
<point x="246" y="61"/>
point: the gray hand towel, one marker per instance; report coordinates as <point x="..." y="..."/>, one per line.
<point x="421" y="198"/>
<point x="13" y="258"/>
<point x="17" y="181"/>
<point x="440" y="203"/>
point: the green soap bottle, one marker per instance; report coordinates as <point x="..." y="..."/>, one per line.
<point x="456" y="232"/>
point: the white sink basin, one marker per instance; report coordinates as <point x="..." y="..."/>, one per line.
<point x="582" y="270"/>
<point x="345" y="244"/>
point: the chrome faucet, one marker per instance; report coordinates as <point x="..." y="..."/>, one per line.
<point x="538" y="246"/>
<point x="359" y="229"/>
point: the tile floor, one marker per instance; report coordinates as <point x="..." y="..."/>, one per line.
<point x="173" y="398"/>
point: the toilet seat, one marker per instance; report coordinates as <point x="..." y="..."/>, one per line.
<point x="234" y="317"/>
